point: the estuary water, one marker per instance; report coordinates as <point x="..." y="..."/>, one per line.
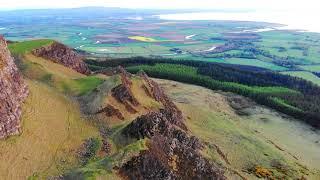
<point x="302" y="21"/>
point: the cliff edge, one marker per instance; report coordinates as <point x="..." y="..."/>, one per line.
<point x="13" y="91"/>
<point x="61" y="54"/>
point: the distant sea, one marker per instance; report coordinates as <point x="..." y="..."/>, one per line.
<point x="302" y="21"/>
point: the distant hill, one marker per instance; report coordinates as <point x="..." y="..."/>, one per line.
<point x="86" y="12"/>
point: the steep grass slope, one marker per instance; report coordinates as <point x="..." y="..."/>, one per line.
<point x="62" y="78"/>
<point x="102" y="96"/>
<point x="53" y="128"/>
<point x="257" y="139"/>
<point x="236" y="134"/>
<point x="56" y="75"/>
<point x="52" y="131"/>
<point x="19" y="48"/>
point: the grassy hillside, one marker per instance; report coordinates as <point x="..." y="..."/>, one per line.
<point x="94" y="101"/>
<point x="242" y="144"/>
<point x="62" y="78"/>
<point x="297" y="96"/>
<point x="259" y="137"/>
<point x="52" y="122"/>
<point x="53" y="130"/>
<point x="53" y="126"/>
<point x="19" y="48"/>
<point x="305" y="75"/>
<point x="55" y="75"/>
<point x="294" y="98"/>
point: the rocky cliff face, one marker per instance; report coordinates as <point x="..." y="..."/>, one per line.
<point x="110" y="111"/>
<point x="13" y="92"/>
<point x="61" y="54"/>
<point x="172" y="152"/>
<point x="170" y="110"/>
<point x="123" y="92"/>
<point x="167" y="158"/>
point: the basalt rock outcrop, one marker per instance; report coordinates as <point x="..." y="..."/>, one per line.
<point x="123" y="93"/>
<point x="167" y="158"/>
<point x="148" y="126"/>
<point x="170" y="110"/>
<point x="13" y="91"/>
<point x="61" y="54"/>
<point x="156" y="123"/>
<point x="110" y="111"/>
<point x="112" y="71"/>
<point x="172" y="152"/>
<point x="110" y="97"/>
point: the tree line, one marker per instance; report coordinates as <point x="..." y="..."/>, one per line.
<point x="293" y="96"/>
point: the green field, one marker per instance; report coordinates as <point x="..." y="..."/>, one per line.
<point x="278" y="50"/>
<point x="182" y="71"/>
<point x="255" y="62"/>
<point x="247" y="116"/>
<point x="312" y="68"/>
<point x="304" y="75"/>
<point x="213" y="119"/>
<point x="285" y="96"/>
<point x="27" y="46"/>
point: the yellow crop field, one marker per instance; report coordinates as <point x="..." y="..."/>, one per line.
<point x="142" y="38"/>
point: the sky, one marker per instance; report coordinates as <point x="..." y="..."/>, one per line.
<point x="165" y="4"/>
<point x="301" y="14"/>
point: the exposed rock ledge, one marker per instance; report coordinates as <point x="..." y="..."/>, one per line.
<point x="13" y="91"/>
<point x="61" y="54"/>
<point x="173" y="153"/>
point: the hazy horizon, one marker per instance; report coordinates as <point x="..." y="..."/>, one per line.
<point x="296" y="14"/>
<point x="160" y="4"/>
